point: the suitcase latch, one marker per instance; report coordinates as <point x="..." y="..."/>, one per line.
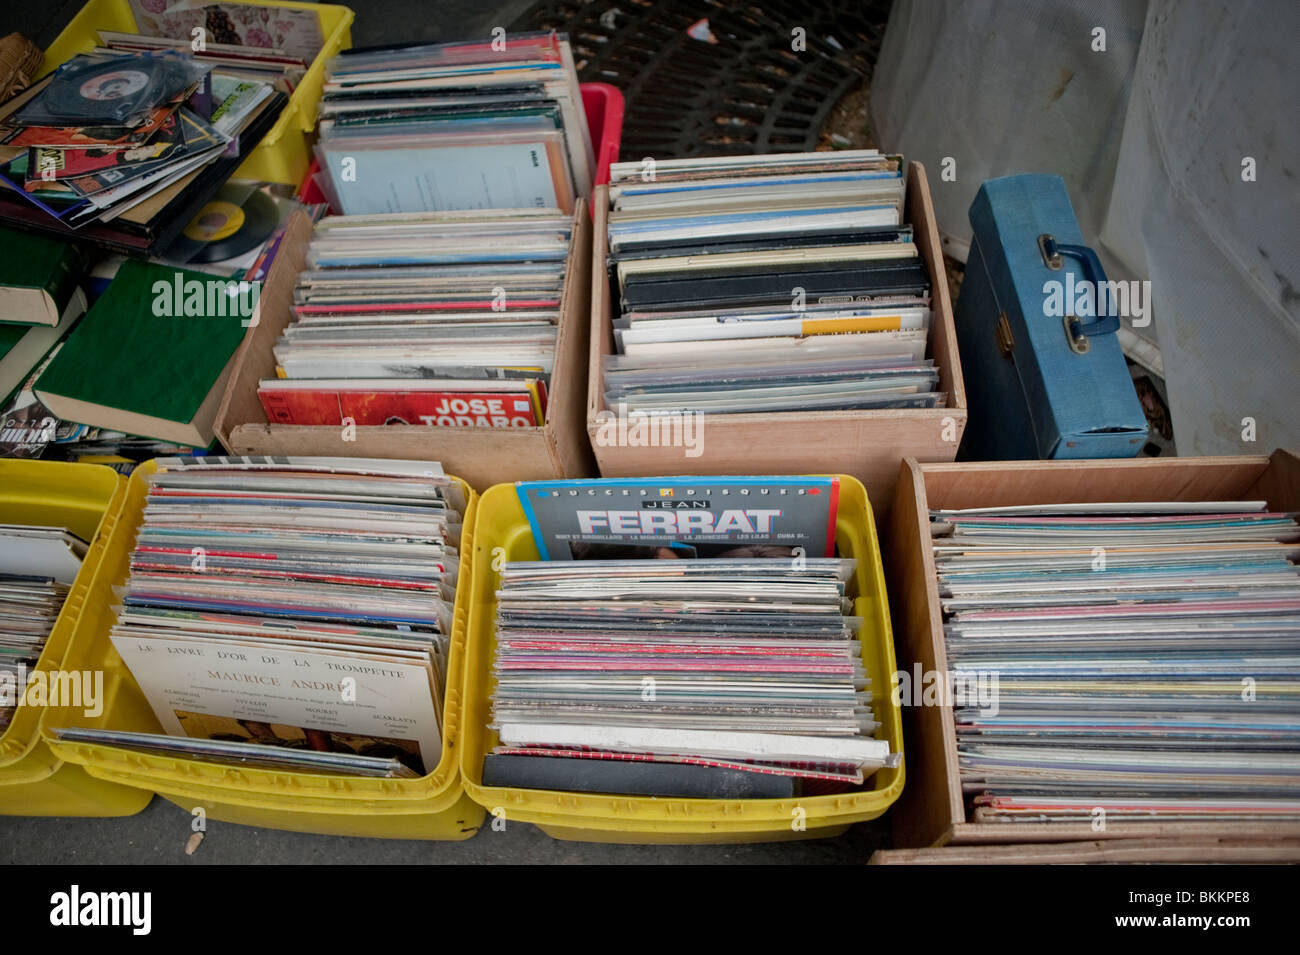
<point x="1002" y="332"/>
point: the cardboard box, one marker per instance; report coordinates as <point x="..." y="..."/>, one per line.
<point x="481" y="456"/>
<point x="866" y="444"/>
<point x="931" y="811"/>
<point x="1111" y="852"/>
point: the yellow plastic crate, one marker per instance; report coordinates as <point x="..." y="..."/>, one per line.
<point x="431" y="807"/>
<point x="285" y="152"/>
<point x="84" y="498"/>
<point x="503" y="533"/>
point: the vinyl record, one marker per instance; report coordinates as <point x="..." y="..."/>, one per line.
<point x="105" y="92"/>
<point x="225" y="229"/>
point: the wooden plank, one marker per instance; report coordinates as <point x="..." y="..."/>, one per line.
<point x="254" y="360"/>
<point x="1280" y="484"/>
<point x="565" y="431"/>
<point x="1190" y="851"/>
<point x="943" y="329"/>
<point x="996" y="483"/>
<point x="988" y="833"/>
<point x="931" y="802"/>
<point x="602" y="309"/>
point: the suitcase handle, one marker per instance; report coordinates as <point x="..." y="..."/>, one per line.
<point x="1092" y="272"/>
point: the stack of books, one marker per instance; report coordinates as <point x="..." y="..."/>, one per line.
<point x="40" y="300"/>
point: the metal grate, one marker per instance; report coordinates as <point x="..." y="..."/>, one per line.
<point x="750" y="92"/>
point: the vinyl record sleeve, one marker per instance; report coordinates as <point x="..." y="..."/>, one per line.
<point x="793" y="512"/>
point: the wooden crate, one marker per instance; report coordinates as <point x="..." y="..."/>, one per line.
<point x="482" y="456"/>
<point x="1188" y="851"/>
<point x="866" y="444"/>
<point x="931" y="811"/>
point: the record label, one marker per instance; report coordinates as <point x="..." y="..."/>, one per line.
<point x="217" y="220"/>
<point x="227" y="227"/>
<point x="105" y="92"/>
<point x="114" y="85"/>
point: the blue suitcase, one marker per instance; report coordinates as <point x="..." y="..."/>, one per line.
<point x="1036" y="323"/>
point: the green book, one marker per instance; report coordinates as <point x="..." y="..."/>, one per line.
<point x="38" y="276"/>
<point x="23" y="347"/>
<point x="152" y="355"/>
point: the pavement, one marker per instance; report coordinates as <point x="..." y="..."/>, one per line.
<point x="159" y="834"/>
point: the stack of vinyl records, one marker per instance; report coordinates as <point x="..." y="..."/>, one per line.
<point x="38" y="566"/>
<point x="123" y="148"/>
<point x="471" y="125"/>
<point x="300" y="605"/>
<point x="253" y="40"/>
<point x="714" y="677"/>
<point x="766" y="283"/>
<point x="1131" y="661"/>
<point x="440" y="319"/>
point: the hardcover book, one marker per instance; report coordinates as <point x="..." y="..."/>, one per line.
<point x="126" y="368"/>
<point x="38" y="277"/>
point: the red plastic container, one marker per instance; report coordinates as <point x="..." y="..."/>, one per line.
<point x="603" y="105"/>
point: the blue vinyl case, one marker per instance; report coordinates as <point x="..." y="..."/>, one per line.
<point x="1040" y="384"/>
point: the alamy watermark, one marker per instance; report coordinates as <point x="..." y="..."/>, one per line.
<point x="1085" y="300"/>
<point x="967" y="688"/>
<point x="210" y="298"/>
<point x="636" y="429"/>
<point x="75" y="907"/>
<point x="82" y="689"/>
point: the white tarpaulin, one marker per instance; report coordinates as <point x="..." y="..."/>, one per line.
<point x="1180" y="147"/>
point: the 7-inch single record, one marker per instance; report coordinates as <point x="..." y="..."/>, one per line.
<point x="106" y="91"/>
<point x="226" y="227"/>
